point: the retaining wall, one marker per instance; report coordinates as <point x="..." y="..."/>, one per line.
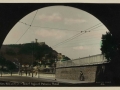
<point x="74" y="73"/>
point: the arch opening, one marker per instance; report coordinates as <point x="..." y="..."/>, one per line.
<point x="68" y="33"/>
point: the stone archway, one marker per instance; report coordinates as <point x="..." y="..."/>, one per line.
<point x="12" y="13"/>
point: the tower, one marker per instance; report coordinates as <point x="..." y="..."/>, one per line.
<point x="36" y="40"/>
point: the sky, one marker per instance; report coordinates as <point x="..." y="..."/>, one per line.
<point x="70" y="31"/>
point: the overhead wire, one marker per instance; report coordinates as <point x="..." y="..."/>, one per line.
<point x="79" y="34"/>
<point x="51" y="27"/>
<point x="80" y="45"/>
<point x="85" y="42"/>
<point x="72" y="43"/>
<point x="33" y="18"/>
<point x="27" y="28"/>
<point x="23" y="34"/>
<point x="24" y="23"/>
<point x="88" y="37"/>
<point x="48" y="27"/>
<point x="71" y="38"/>
<point x="56" y="28"/>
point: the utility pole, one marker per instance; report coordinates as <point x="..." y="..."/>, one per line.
<point x="32" y="57"/>
<point x="38" y="70"/>
<point x="19" y="68"/>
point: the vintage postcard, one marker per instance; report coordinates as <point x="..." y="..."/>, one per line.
<point x="46" y="45"/>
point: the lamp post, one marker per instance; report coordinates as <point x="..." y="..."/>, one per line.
<point x="55" y="68"/>
<point x="55" y="65"/>
<point x="32" y="70"/>
<point x="19" y="68"/>
<point x="32" y="57"/>
<point x="38" y="69"/>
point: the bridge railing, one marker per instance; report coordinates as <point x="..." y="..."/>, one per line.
<point x="91" y="60"/>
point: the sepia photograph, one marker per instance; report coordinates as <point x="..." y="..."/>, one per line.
<point x="59" y="44"/>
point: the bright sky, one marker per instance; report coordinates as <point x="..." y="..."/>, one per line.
<point x="60" y="27"/>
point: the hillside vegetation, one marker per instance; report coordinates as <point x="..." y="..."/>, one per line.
<point x="29" y="53"/>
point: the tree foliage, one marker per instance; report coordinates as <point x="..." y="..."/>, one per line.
<point x="2" y="62"/>
<point x="10" y="65"/>
<point x="6" y="63"/>
<point x="109" y="46"/>
<point x="10" y="51"/>
<point x="39" y="52"/>
<point x="33" y="52"/>
<point x="111" y="50"/>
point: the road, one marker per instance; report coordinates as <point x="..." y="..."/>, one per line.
<point x="23" y="79"/>
<point x="28" y="81"/>
<point x="43" y="80"/>
<point x="31" y="81"/>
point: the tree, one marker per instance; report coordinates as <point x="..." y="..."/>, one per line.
<point x="10" y="52"/>
<point x="2" y="63"/>
<point x="111" y="50"/>
<point x="66" y="58"/>
<point x="109" y="46"/>
<point x="11" y="66"/>
<point x="35" y="63"/>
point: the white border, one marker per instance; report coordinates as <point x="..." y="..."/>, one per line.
<point x="59" y="1"/>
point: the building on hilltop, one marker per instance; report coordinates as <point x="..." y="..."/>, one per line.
<point x="41" y="43"/>
<point x="61" y="57"/>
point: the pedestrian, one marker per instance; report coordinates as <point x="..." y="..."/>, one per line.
<point x="81" y="76"/>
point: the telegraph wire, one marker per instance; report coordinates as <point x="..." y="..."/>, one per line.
<point x="87" y="40"/>
<point x="33" y="18"/>
<point x="24" y="23"/>
<point x="79" y="34"/>
<point x="83" y="32"/>
<point x="56" y="28"/>
<point x="75" y="35"/>
<point x="48" y="27"/>
<point x="71" y="38"/>
<point x="66" y="40"/>
<point x="87" y="37"/>
<point x="80" y="45"/>
<point x="28" y="27"/>
<point x="74" y="43"/>
<point x="23" y="34"/>
<point x="53" y="28"/>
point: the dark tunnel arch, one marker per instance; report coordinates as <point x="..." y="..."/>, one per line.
<point x="108" y="14"/>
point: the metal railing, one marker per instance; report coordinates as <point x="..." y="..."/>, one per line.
<point x="91" y="60"/>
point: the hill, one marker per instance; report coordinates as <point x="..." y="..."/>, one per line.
<point x="31" y="53"/>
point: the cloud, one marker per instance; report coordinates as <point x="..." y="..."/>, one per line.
<point x="74" y="20"/>
<point x="56" y="34"/>
<point x="81" y="47"/>
<point x="56" y="17"/>
<point x="53" y="17"/>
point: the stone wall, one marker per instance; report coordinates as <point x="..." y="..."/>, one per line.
<point x="73" y="73"/>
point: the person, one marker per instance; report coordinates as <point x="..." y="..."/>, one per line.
<point x="26" y="72"/>
<point x="81" y="76"/>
